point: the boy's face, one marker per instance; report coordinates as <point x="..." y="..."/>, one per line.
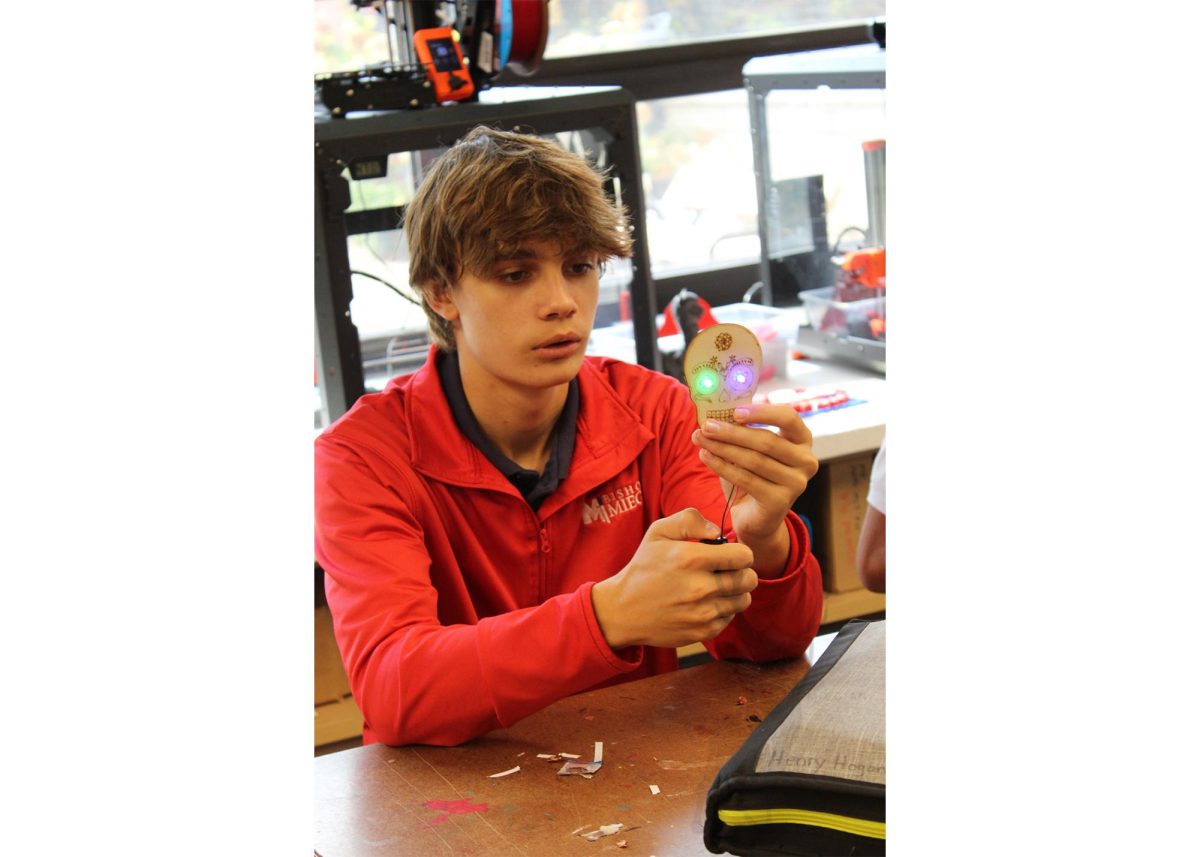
<point x="526" y="322"/>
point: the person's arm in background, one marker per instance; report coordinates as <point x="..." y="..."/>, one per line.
<point x="872" y="539"/>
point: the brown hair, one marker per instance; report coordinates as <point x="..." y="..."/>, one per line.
<point x="494" y="191"/>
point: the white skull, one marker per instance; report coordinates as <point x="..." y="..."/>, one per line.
<point x="722" y="366"/>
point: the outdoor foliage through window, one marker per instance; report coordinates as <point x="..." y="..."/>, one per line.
<point x="348" y="37"/>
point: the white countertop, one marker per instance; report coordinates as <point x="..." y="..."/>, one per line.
<point x="842" y="431"/>
<point x="836" y="433"/>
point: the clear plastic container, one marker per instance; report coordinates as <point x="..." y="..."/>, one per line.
<point x="866" y="319"/>
<point x="773" y="326"/>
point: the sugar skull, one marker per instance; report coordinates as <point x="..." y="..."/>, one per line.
<point x="722" y="366"/>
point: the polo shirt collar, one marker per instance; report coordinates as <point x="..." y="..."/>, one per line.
<point x="609" y="435"/>
<point x="534" y="486"/>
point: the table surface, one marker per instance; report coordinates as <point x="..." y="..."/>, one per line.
<point x="843" y="431"/>
<point x="674" y="731"/>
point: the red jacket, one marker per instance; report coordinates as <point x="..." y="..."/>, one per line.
<point x="458" y="609"/>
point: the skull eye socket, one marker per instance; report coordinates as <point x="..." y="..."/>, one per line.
<point x="739" y="379"/>
<point x="705" y="382"/>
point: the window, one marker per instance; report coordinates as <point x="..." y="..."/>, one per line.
<point x="582" y="27"/>
<point x="391" y="324"/>
<point x="820" y="132"/>
<point x="348" y="37"/>
<point x="698" y="179"/>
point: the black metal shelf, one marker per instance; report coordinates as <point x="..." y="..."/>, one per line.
<point x="540" y="110"/>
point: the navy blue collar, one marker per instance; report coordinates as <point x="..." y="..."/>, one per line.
<point x="534" y="487"/>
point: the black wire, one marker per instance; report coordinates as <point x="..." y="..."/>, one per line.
<point x="402" y="294"/>
<point x="728" y="500"/>
<point x="842" y="235"/>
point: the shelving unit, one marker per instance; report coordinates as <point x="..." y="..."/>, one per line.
<point x="795" y="206"/>
<point x="341" y="143"/>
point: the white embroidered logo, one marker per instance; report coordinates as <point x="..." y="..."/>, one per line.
<point x="608" y="506"/>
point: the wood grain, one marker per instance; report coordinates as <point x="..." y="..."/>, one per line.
<point x="674" y="731"/>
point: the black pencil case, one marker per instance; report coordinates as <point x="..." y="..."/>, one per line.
<point x="809" y="780"/>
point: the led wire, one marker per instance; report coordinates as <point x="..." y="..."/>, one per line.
<point x="728" y="501"/>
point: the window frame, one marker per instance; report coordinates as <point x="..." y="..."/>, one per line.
<point x="694" y="68"/>
<point x="668" y="71"/>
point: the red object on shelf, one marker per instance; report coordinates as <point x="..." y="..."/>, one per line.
<point x="804" y="402"/>
<point x="670" y="326"/>
<point x="864" y="268"/>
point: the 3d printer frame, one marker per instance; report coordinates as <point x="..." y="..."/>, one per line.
<point x="476" y="40"/>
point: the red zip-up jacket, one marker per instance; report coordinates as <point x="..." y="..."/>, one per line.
<point x="458" y="609"/>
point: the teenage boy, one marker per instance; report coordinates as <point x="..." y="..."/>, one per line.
<point x="516" y="522"/>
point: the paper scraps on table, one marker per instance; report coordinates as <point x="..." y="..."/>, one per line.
<point x="654" y="790"/>
<point x="583" y="769"/>
<point x="605" y="830"/>
<point x="557" y="757"/>
<point x="742" y="700"/>
<point x="505" y="773"/>
<point x="621" y="843"/>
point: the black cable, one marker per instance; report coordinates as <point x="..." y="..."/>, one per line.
<point x="842" y="235"/>
<point x="401" y="293"/>
<point x="728" y="501"/>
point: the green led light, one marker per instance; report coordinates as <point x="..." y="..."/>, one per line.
<point x="705" y="381"/>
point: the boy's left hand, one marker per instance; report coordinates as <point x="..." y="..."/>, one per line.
<point x="770" y="470"/>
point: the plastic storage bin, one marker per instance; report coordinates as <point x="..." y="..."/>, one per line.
<point x="865" y="318"/>
<point x="773" y="326"/>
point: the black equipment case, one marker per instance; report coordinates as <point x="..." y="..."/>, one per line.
<point x="810" y="778"/>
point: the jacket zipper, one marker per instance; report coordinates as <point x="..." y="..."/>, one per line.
<point x="543" y="551"/>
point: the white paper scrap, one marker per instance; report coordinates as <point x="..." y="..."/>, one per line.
<point x="505" y="773"/>
<point x="599" y="757"/>
<point x="654" y="790"/>
<point x="569" y="755"/>
<point x="605" y="830"/>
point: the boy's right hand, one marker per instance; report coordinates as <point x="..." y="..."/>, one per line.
<point x="675" y="591"/>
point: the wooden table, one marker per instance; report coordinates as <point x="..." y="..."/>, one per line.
<point x="673" y="731"/>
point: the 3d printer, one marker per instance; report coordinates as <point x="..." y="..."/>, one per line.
<point x="440" y="52"/>
<point x="809" y="112"/>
